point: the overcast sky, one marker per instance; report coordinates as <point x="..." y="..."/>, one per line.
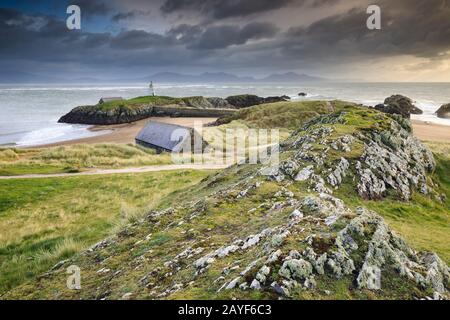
<point x="133" y="38"/>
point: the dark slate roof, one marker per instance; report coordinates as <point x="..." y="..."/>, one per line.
<point x="160" y="134"/>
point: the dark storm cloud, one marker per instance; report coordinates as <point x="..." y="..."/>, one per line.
<point x="186" y="33"/>
<point x="95" y="40"/>
<point x="419" y="28"/>
<point x="224" y="9"/>
<point x="130" y="15"/>
<point x="219" y="37"/>
<point x="138" y="39"/>
<point x="94" y="7"/>
<point x="220" y="9"/>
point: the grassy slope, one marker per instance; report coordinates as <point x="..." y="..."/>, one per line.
<point x="46" y="220"/>
<point x="283" y="115"/>
<point x="76" y="158"/>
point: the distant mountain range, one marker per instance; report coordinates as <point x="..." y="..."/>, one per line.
<point x="229" y="78"/>
<point x="164" y="77"/>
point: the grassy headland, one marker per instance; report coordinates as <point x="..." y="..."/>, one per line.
<point x="139" y="101"/>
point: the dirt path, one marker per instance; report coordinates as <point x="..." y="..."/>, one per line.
<point x="167" y="167"/>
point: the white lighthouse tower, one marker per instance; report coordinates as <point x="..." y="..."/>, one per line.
<point x="152" y="90"/>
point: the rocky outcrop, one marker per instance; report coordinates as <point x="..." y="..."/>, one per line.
<point x="390" y="159"/>
<point x="444" y="111"/>
<point x="127" y="112"/>
<point x="248" y="100"/>
<point x="398" y="104"/>
<point x="220" y="103"/>
<point x="97" y="116"/>
<point x="198" y="102"/>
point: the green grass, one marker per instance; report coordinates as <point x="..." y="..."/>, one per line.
<point x="139" y="101"/>
<point x="76" y="158"/>
<point x="43" y="221"/>
<point x="285" y="115"/>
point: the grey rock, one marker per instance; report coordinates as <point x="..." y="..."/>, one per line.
<point x="233" y="283"/>
<point x="304" y="174"/>
<point x="339" y="173"/>
<point x="398" y="104"/>
<point x="296" y="269"/>
<point x="255" y="285"/>
<point x="444" y="111"/>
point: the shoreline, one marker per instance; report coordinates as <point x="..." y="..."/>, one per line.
<point x="125" y="133"/>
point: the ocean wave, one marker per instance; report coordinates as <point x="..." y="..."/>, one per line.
<point x="57" y="133"/>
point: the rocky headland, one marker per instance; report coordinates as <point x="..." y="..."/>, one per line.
<point x="291" y="231"/>
<point x="126" y="111"/>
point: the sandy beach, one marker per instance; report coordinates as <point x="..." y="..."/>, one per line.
<point x="427" y="131"/>
<point x="125" y="133"/>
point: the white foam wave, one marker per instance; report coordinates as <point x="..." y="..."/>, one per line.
<point x="57" y="133"/>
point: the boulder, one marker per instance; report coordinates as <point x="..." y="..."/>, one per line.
<point x="398" y="104"/>
<point x="96" y="116"/>
<point x="444" y="111"/>
<point x="244" y="100"/>
<point x="302" y="94"/>
<point x="248" y="100"/>
<point x="393" y="109"/>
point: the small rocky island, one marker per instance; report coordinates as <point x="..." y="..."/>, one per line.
<point x="117" y="111"/>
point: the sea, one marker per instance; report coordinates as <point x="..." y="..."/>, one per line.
<point x="29" y="113"/>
